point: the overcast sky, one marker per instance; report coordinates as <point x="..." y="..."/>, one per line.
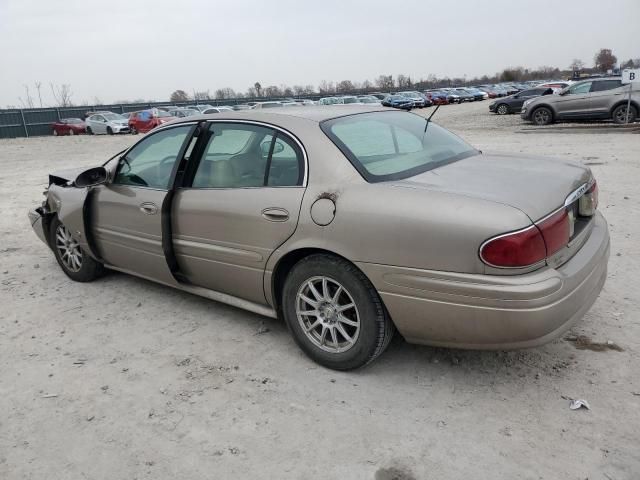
<point x="130" y="49"/>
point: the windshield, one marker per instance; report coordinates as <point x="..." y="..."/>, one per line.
<point x="113" y="116"/>
<point x="394" y="145"/>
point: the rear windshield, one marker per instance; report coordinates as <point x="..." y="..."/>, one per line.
<point x="394" y="145"/>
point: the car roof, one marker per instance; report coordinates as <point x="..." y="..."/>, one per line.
<point x="314" y="114"/>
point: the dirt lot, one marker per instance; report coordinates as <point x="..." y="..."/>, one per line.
<point x="124" y="379"/>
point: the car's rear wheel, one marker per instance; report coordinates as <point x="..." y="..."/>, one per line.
<point x="109" y="130"/>
<point x="619" y="115"/>
<point x="89" y="131"/>
<point x="542" y="116"/>
<point x="334" y="313"/>
<point x="133" y="130"/>
<point x="73" y="260"/>
<point x="55" y="133"/>
<point x="502" y="109"/>
<point x="71" y="132"/>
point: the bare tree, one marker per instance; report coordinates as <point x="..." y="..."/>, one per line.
<point x="385" y="82"/>
<point x="252" y="92"/>
<point x="576" y="65"/>
<point x="62" y="94"/>
<point x="326" y="87"/>
<point x="204" y="95"/>
<point x="38" y="85"/>
<point x="345" y="86"/>
<point x="404" y="81"/>
<point x="27" y="102"/>
<point x="258" y="88"/>
<point x="272" y="91"/>
<point x="225" y="93"/>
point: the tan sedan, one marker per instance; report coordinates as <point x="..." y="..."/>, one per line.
<point x="347" y="224"/>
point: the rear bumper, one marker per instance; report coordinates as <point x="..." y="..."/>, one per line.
<point x="490" y="311"/>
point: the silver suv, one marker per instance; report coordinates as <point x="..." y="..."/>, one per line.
<point x="593" y="99"/>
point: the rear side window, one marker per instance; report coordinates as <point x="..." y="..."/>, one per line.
<point x="605" y="85"/>
<point x="394" y="145"/>
<point x="244" y="155"/>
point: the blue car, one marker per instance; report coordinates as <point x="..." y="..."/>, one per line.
<point x="397" y="101"/>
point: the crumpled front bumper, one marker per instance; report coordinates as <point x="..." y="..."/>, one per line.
<point x="36" y="219"/>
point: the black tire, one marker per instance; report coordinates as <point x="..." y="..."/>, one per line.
<point x="109" y="130"/>
<point x="375" y="326"/>
<point x="89" y="131"/>
<point x="542" y="116"/>
<point x="619" y="114"/>
<point x="89" y="269"/>
<point x="502" y="109"/>
<point x="133" y="130"/>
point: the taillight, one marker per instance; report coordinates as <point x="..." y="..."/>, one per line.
<point x="529" y="246"/>
<point x="555" y="231"/>
<point x="517" y="249"/>
<point x="588" y="202"/>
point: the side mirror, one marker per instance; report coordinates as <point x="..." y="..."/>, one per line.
<point x="91" y="177"/>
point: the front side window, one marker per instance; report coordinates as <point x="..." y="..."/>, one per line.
<point x="394" y="145"/>
<point x="244" y="155"/>
<point x="150" y="162"/>
<point x="580" y="88"/>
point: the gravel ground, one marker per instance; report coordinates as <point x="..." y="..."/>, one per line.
<point x="124" y="379"/>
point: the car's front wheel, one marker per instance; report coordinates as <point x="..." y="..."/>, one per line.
<point x="133" y="130"/>
<point x="334" y="313"/>
<point x="73" y="260"/>
<point x="89" y="131"/>
<point x="620" y="114"/>
<point x="110" y="130"/>
<point x="502" y="109"/>
<point x="542" y="116"/>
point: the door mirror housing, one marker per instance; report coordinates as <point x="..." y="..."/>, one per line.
<point x="91" y="177"/>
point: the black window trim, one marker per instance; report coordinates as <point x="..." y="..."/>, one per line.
<point x="297" y="145"/>
<point x="181" y="152"/>
<point x="325" y="126"/>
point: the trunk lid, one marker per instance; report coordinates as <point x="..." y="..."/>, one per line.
<point x="535" y="185"/>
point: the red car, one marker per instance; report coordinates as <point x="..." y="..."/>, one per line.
<point x="146" y="120"/>
<point x="68" y="126"/>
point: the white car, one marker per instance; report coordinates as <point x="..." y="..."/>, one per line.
<point x="220" y="109"/>
<point x="107" y="123"/>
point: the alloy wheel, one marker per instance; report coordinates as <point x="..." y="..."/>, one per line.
<point x="502" y="109"/>
<point x="327" y="314"/>
<point x="541" y="116"/>
<point x="68" y="249"/>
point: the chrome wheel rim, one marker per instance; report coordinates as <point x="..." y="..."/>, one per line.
<point x="71" y="131"/>
<point x="327" y="314"/>
<point x="68" y="249"/>
<point x="622" y="115"/>
<point x="502" y="109"/>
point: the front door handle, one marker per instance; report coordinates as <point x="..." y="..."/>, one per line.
<point x="149" y="208"/>
<point x="275" y="214"/>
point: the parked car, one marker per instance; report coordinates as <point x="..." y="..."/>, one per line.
<point x="398" y="101"/>
<point x="201" y="108"/>
<point x="349" y="99"/>
<point x="510" y="252"/>
<point x="331" y="101"/>
<point x="241" y="107"/>
<point x="556" y="86"/>
<point x="419" y="99"/>
<point x="437" y="97"/>
<point x="146" y="120"/>
<point x="595" y="99"/>
<point x="513" y="103"/>
<point x="261" y="105"/>
<point x="107" y="123"/>
<point x="491" y="92"/>
<point x="464" y="95"/>
<point x="379" y="95"/>
<point x="477" y="94"/>
<point x="183" y="112"/>
<point x="217" y="110"/>
<point x="68" y="126"/>
<point x="369" y="100"/>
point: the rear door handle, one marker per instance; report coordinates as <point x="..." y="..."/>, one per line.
<point x="275" y="214"/>
<point x="149" y="208"/>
